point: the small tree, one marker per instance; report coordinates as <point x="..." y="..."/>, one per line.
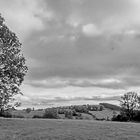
<point x="12" y="66"/>
<point x="28" y="110"/>
<point x="69" y="114"/>
<point x="129" y="103"/>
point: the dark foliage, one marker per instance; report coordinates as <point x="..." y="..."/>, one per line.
<point x="6" y="114"/>
<point x="51" y="113"/>
<point x="38" y="117"/>
<point x="136" y="116"/>
<point x="121" y="118"/>
<point x="28" y="110"/>
<point x="69" y="114"/>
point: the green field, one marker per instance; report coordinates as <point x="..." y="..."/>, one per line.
<point x="39" y="129"/>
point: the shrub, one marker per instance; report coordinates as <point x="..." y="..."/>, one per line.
<point x="101" y="107"/>
<point x="61" y="111"/>
<point x="81" y="109"/>
<point x="69" y="114"/>
<point x="28" y="110"/>
<point x="120" y="117"/>
<point x="37" y="116"/>
<point x="75" y="113"/>
<point x="6" y="114"/>
<point x="18" y="116"/>
<point x="123" y="117"/>
<point x="100" y="119"/>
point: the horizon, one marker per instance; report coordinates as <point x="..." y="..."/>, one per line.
<point x="63" y="104"/>
<point x="77" y="51"/>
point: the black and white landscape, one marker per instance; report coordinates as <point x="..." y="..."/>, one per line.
<point x="73" y="61"/>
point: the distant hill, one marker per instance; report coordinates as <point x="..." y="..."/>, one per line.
<point x="103" y="111"/>
<point x="111" y="106"/>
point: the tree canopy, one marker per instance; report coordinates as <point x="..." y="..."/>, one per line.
<point x="12" y="65"/>
<point x="129" y="103"/>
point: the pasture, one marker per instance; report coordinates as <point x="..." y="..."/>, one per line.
<point x="45" y="129"/>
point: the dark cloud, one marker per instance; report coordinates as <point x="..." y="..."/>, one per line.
<point x="95" y="58"/>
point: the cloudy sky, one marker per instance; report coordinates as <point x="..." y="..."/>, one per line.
<point x="76" y="50"/>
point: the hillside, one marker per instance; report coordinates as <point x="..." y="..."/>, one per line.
<point x="111" y="106"/>
<point x="102" y="111"/>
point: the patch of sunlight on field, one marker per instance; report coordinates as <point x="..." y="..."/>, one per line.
<point x="28" y="129"/>
<point x="104" y="114"/>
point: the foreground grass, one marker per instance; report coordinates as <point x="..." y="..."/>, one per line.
<point x="29" y="129"/>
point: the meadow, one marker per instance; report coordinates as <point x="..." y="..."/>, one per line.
<point x="47" y="129"/>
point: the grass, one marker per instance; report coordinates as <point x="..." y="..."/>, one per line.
<point x="38" y="129"/>
<point x="104" y="114"/>
<point x="27" y="115"/>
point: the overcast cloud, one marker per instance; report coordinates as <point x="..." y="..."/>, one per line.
<point x="77" y="48"/>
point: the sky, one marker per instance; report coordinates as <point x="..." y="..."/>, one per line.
<point x="77" y="51"/>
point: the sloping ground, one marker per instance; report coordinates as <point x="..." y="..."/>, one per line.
<point x="105" y="114"/>
<point x="28" y="129"/>
<point x="111" y="106"/>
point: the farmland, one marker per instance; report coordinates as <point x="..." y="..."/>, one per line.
<point x="46" y="129"/>
<point x="85" y="112"/>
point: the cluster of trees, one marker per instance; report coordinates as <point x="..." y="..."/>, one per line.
<point x="80" y="108"/>
<point x="70" y="111"/>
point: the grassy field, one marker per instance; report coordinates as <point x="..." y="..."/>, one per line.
<point x="38" y="129"/>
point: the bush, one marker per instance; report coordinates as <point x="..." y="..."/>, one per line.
<point x="136" y="116"/>
<point x="61" y="111"/>
<point x="101" y="107"/>
<point x="69" y="114"/>
<point x="123" y="117"/>
<point x="51" y="113"/>
<point x="5" y="114"/>
<point x="120" y="117"/>
<point x="28" y="110"/>
<point x="81" y="109"/>
<point x="37" y="116"/>
<point x="18" y="116"/>
<point x="100" y="119"/>
<point x="75" y="113"/>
